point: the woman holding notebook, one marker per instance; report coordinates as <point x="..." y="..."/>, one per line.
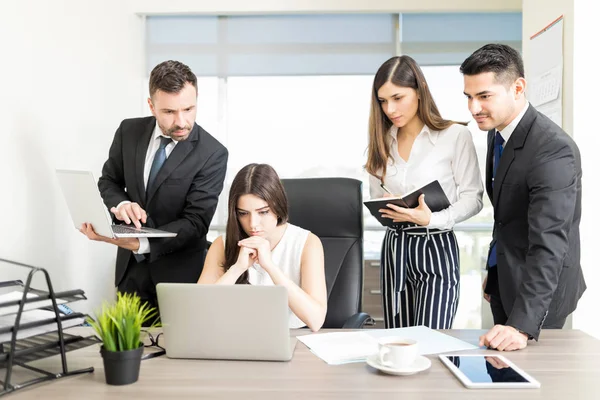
<point x="411" y="145"/>
<point x="261" y="248"/>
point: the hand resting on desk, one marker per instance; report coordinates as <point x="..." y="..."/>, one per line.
<point x="504" y="338"/>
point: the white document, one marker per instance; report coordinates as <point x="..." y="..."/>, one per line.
<point x="17" y="295"/>
<point x="552" y="110"/>
<point x="546" y="87"/>
<point x="545" y="83"/>
<point x="430" y="341"/>
<point x="546" y="49"/>
<point x="341" y="347"/>
<point x="32" y="316"/>
<point x="345" y="347"/>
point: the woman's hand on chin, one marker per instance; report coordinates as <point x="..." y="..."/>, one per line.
<point x="262" y="247"/>
<point x="246" y="258"/>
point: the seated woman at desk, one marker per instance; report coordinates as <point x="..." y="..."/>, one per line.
<point x="261" y="248"/>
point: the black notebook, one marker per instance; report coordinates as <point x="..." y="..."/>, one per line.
<point x="435" y="198"/>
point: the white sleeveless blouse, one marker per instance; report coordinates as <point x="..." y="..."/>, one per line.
<point x="287" y="256"/>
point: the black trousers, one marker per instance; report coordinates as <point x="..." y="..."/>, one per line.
<point x="420" y="278"/>
<point x="137" y="280"/>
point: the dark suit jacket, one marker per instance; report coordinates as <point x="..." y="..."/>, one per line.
<point x="183" y="198"/>
<point x="537" y="209"/>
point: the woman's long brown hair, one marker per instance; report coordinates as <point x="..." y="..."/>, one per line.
<point x="401" y="71"/>
<point x="262" y="181"/>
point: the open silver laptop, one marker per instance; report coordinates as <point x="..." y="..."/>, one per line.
<point x="225" y="322"/>
<point x="85" y="205"/>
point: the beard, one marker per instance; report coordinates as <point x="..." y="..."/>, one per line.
<point x="170" y="131"/>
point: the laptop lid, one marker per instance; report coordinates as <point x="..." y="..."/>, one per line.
<point x="227" y="322"/>
<point x="85" y="205"/>
<point x="84" y="202"/>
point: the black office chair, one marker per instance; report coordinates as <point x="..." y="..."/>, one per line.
<point x="331" y="208"/>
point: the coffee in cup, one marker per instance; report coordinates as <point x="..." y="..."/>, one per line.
<point x="396" y="352"/>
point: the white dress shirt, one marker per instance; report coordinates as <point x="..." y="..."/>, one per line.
<point x="448" y="156"/>
<point x="150" y="153"/>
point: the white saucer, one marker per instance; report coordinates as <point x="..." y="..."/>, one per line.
<point x="421" y="364"/>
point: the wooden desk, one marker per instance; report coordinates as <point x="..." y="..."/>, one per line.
<point x="567" y="363"/>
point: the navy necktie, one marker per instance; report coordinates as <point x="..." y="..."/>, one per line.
<point x="498" y="142"/>
<point x="159" y="159"/>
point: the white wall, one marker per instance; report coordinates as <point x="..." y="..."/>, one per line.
<point x="71" y="71"/>
<point x="585" y="112"/>
<point x="579" y="111"/>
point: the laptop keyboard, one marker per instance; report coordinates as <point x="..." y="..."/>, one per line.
<point x="124" y="229"/>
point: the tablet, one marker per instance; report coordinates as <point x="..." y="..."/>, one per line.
<point x="477" y="371"/>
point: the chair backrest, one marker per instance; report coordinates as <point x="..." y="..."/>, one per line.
<point x="331" y="208"/>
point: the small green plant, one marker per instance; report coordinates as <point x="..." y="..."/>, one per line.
<point x="119" y="324"/>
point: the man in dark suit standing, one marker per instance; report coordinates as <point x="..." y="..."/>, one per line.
<point x="167" y="172"/>
<point x="533" y="179"/>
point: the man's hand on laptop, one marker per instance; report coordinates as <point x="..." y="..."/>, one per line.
<point x="130" y="213"/>
<point x="132" y="244"/>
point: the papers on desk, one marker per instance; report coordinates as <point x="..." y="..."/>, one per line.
<point x="430" y="341"/>
<point x="341" y="347"/>
<point x="32" y="316"/>
<point x="17" y="295"/>
<point x="345" y="347"/>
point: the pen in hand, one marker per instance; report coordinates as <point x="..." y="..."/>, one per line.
<point x="386" y="189"/>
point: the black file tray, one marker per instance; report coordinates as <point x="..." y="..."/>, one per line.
<point x="31" y="303"/>
<point x="20" y="352"/>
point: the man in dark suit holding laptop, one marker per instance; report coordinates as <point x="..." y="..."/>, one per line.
<point x="167" y="172"/>
<point x="534" y="182"/>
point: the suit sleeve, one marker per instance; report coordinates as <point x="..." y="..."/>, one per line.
<point x="553" y="186"/>
<point x="200" y="206"/>
<point x="112" y="181"/>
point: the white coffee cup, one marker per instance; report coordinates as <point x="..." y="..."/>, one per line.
<point x="396" y="352"/>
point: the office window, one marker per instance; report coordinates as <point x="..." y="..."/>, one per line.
<point x="447" y="39"/>
<point x="273" y="45"/>
<point x="303" y="76"/>
<point x="305" y="80"/>
<point x="304" y="126"/>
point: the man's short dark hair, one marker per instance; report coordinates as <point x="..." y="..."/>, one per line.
<point x="504" y="61"/>
<point x="170" y="77"/>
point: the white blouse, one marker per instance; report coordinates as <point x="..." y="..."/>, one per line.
<point x="287" y="256"/>
<point x="448" y="156"/>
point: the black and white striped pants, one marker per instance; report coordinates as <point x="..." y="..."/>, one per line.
<point x="420" y="277"/>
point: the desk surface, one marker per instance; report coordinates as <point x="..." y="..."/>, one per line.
<point x="566" y="362"/>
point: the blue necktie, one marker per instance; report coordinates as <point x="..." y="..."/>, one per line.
<point x="159" y="160"/>
<point x="498" y="142"/>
